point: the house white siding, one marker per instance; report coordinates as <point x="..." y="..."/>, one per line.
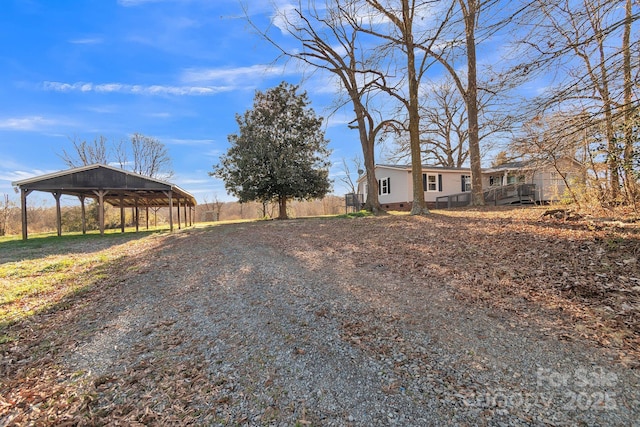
<point x="396" y="184"/>
<point x="400" y="181"/>
<point x="447" y="182"/>
<point x="396" y="189"/>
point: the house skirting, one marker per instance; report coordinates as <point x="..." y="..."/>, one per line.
<point x="403" y="206"/>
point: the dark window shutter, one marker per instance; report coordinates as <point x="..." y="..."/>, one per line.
<point x="439" y="182"/>
<point x="424" y="182"/>
<point x="464" y="183"/>
<point x="379" y="187"/>
<point x="389" y="185"/>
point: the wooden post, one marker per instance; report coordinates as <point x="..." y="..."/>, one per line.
<point x="83" y="214"/>
<point x="122" y="214"/>
<point x="169" y="194"/>
<point x="23" y="205"/>
<point x="57" y="195"/>
<point x="179" y="221"/>
<point x="101" y="194"/>
<point x="137" y="212"/>
<point x="185" y="214"/>
<point x="146" y="215"/>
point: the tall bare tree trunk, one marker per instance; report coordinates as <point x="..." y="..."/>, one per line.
<point x="612" y="147"/>
<point x="630" y="181"/>
<point x="367" y="141"/>
<point x="470" y="11"/>
<point x="419" y="206"/>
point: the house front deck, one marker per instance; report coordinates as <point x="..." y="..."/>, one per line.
<point x="511" y="194"/>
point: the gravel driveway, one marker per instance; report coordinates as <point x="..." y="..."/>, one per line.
<point x="270" y="324"/>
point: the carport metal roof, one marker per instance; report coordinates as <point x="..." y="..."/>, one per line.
<point x="121" y="186"/>
<point x="107" y="184"/>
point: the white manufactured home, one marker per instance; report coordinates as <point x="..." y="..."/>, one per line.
<point x="514" y="182"/>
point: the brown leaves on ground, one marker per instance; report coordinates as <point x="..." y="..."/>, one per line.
<point x="576" y="280"/>
<point x="581" y="277"/>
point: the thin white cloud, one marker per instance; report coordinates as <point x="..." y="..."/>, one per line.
<point x="88" y="40"/>
<point x="162" y="115"/>
<point x="135" y="89"/>
<point x="231" y="76"/>
<point x="175" y="141"/>
<point x="339" y="119"/>
<point x="285" y="17"/>
<point x="133" y="3"/>
<point x="192" y="181"/>
<point x="30" y="123"/>
<point x="103" y="109"/>
<point x="19" y="175"/>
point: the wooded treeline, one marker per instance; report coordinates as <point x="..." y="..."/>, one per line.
<point x="42" y="216"/>
<point x="451" y="80"/>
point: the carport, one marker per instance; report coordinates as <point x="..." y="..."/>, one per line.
<point x="107" y="184"/>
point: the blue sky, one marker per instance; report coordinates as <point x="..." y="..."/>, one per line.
<point x="176" y="70"/>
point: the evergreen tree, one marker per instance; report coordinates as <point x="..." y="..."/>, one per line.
<point x="279" y="153"/>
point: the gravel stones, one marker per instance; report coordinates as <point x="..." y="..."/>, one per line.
<point x="270" y="324"/>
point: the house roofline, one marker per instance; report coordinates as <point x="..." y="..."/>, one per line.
<point x="527" y="165"/>
<point x="506" y="167"/>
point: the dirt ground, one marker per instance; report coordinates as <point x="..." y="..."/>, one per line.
<point x="463" y="317"/>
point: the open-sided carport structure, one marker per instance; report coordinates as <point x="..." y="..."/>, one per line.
<point x="107" y="184"/>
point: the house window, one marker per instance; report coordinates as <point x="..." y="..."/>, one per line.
<point x="384" y="186"/>
<point x="495" y="180"/>
<point x="429" y="182"/>
<point x="556" y="179"/>
<point x="466" y="183"/>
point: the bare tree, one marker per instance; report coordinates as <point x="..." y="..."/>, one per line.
<point x="468" y="11"/>
<point x="349" y="182"/>
<point x="214" y="206"/>
<point x="501" y="158"/>
<point x="141" y="154"/>
<point x="591" y="41"/>
<point x="402" y="38"/>
<point x="86" y="153"/>
<point x="5" y="213"/>
<point x="550" y="140"/>
<point x="346" y="179"/>
<point x="443" y="129"/>
<point x="630" y="109"/>
<point x="146" y="156"/>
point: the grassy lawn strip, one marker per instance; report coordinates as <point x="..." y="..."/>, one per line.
<point x="38" y="283"/>
<point x="32" y="285"/>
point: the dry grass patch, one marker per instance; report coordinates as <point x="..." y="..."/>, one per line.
<point x="43" y="272"/>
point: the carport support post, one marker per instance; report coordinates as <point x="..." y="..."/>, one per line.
<point x="23" y="205"/>
<point x="179" y="222"/>
<point x="83" y="214"/>
<point x="137" y="214"/>
<point x="101" y="194"/>
<point x="122" y="214"/>
<point x="169" y="194"/>
<point x="57" y="195"/>
<point x="185" y="214"/>
<point x="146" y="215"/>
